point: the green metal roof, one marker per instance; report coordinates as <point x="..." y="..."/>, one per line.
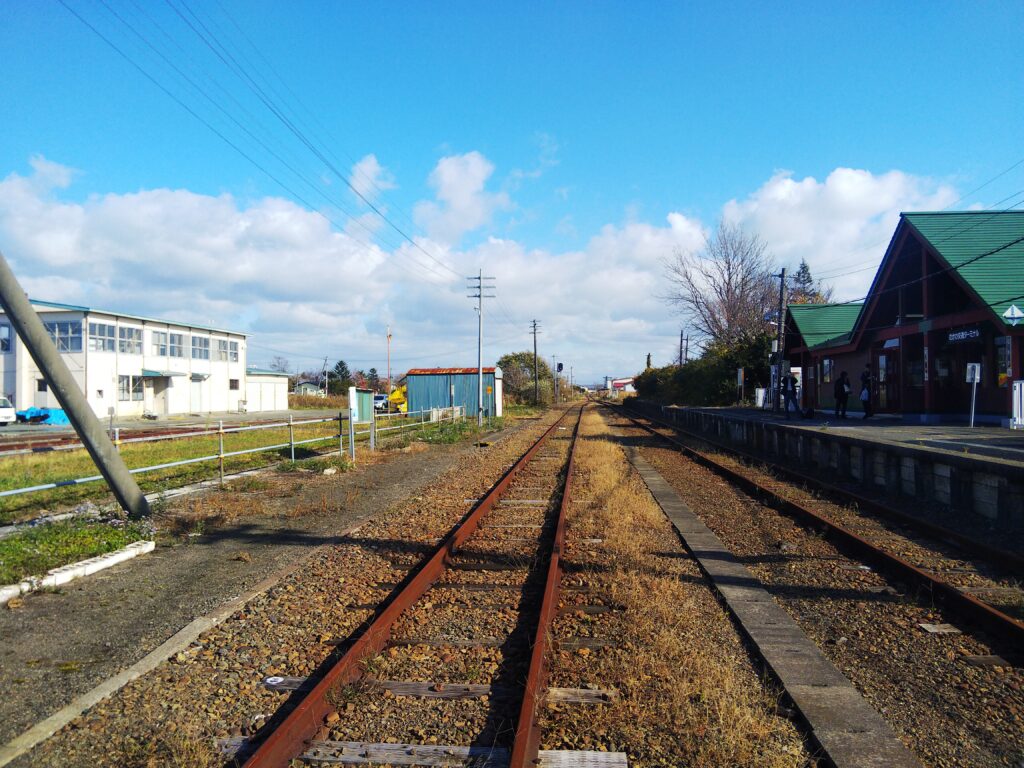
<point x="266" y="372"/>
<point x="985" y="247"/>
<point x="821" y="324"/>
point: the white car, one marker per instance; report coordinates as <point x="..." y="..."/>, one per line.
<point x="7" y="415"/>
<point x="380" y="402"/>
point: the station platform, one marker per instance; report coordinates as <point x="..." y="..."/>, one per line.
<point x="971" y="478"/>
<point x="988" y="440"/>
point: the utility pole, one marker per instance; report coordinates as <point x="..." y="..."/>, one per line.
<point x="55" y="371"/>
<point x="389" y="361"/>
<point x="480" y="295"/>
<point x="536" y="378"/>
<point x="780" y="339"/>
<point x="327" y="379"/>
<point x="686" y="350"/>
<point x="572" y="392"/>
<point x="680" y="347"/>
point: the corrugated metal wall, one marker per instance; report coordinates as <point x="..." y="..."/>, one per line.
<point x="434" y="391"/>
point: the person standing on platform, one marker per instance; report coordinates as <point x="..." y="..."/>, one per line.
<point x="866" y="380"/>
<point x="841" y="391"/>
<point x="789" y="394"/>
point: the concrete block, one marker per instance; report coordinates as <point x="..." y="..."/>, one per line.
<point x="942" y="490"/>
<point x="985" y="494"/>
<point x="908" y="476"/>
<point x="856" y="462"/>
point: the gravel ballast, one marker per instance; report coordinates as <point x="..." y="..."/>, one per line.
<point x="213" y="688"/>
<point x="950" y="711"/>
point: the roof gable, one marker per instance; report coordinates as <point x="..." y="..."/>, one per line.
<point x="825" y="323"/>
<point x="986" y="248"/>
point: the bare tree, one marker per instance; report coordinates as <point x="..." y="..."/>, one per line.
<point x="726" y="290"/>
<point x="280" y="364"/>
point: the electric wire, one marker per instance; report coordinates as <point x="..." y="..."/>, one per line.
<point x="231" y="143"/>
<point x="232" y="64"/>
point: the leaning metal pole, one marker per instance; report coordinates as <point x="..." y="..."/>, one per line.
<point x="95" y="439"/>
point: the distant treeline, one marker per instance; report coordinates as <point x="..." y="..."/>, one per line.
<point x="711" y="378"/>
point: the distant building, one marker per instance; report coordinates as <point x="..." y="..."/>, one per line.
<point x="447" y="387"/>
<point x="618" y="387"/>
<point x="308" y="388"/>
<point x="138" y="365"/>
<point x="265" y="390"/>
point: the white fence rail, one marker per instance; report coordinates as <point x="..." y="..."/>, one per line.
<point x="346" y="439"/>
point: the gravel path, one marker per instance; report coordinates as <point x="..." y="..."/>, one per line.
<point x="47" y="658"/>
<point x="213" y="688"/>
<point x="950" y="712"/>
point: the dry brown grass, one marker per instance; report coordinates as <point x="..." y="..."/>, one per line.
<point x="177" y="745"/>
<point x="204" y="512"/>
<point x="315" y="402"/>
<point x="690" y="695"/>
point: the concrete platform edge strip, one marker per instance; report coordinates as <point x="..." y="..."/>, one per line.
<point x="59" y="576"/>
<point x="832" y="727"/>
<point x="180" y="640"/>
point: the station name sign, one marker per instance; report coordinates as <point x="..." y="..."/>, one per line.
<point x="964" y="334"/>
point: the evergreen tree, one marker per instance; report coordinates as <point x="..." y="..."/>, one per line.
<point x="373" y="379"/>
<point x="805" y="290"/>
<point x="341" y="375"/>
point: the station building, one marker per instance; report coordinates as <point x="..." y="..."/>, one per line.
<point x="447" y="387"/>
<point x="139" y="366"/>
<point x="948" y="292"/>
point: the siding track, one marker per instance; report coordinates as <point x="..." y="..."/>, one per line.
<point x="955" y="696"/>
<point x="933" y="570"/>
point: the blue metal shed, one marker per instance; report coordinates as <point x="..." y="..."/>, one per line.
<point x="447" y="387"/>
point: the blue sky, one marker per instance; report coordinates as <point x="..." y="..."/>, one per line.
<point x="572" y="133"/>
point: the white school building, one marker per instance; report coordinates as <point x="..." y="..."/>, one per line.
<point x="139" y="366"/>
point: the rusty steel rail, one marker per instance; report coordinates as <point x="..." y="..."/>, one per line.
<point x="302" y="724"/>
<point x="1010" y="561"/>
<point x="991" y="619"/>
<point x="525" y="748"/>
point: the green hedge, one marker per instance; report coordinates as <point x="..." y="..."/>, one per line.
<point x="711" y="378"/>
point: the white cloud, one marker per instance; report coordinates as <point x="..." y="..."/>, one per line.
<point x="369" y="178"/>
<point x="462" y="202"/>
<point x="306" y="290"/>
<point x="547" y="158"/>
<point x="838" y="225"/>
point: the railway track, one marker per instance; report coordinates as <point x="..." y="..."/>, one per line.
<point x="451" y="669"/>
<point x="954" y="582"/>
<point x="952" y="689"/>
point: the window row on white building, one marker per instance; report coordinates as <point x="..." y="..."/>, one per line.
<point x="134" y="366"/>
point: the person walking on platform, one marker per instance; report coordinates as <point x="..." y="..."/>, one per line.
<point x="866" y="380"/>
<point x="789" y="394"/>
<point x="841" y="391"/>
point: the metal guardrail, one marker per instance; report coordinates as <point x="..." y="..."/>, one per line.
<point x="407" y="420"/>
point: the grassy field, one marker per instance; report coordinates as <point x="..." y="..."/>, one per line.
<point x="37" y="469"/>
<point x="317" y="403"/>
<point x="37" y="550"/>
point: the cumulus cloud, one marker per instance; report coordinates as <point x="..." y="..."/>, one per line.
<point x="305" y="290"/>
<point x="369" y="178"/>
<point x="838" y="225"/>
<point x="177" y="253"/>
<point x="463" y="204"/>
